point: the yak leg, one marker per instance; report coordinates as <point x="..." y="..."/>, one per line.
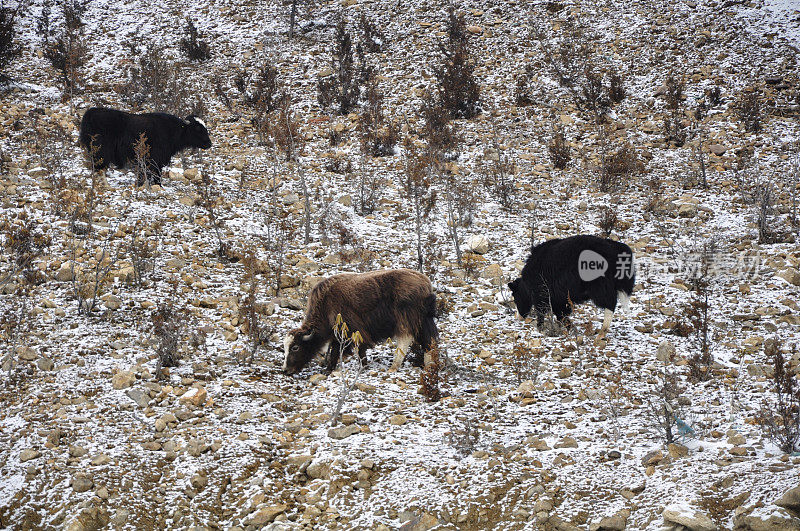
<point x="607" y="315"/>
<point x="403" y="344"/>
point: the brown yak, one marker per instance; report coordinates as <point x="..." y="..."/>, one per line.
<point x="397" y="303"/>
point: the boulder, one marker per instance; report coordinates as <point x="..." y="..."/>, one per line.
<point x="790" y="500"/>
<point x="688" y="518"/>
<point x="791" y="275"/>
<point x="123" y="379"/>
<point x="195" y="396"/>
<point x="478" y="244"/>
<point x="770" y="518"/>
<point x="666" y="351"/>
<point x="610" y="523"/>
<point x="267" y="514"/>
<point x="90" y="519"/>
<point x="28" y="454"/>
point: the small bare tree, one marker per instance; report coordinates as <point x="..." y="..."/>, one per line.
<point x="142" y="252"/>
<point x="699" y="310"/>
<point x="458" y="88"/>
<point x="418" y="189"/>
<point x="208" y="201"/>
<point x="346" y="341"/>
<point x="256" y="329"/>
<point x="748" y="109"/>
<point x="193" y="45"/>
<point x="664" y="410"/>
<point x="90" y="277"/>
<point x="465" y="438"/>
<point x="143" y="166"/>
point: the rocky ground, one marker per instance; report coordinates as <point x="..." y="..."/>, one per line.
<point x="533" y="430"/>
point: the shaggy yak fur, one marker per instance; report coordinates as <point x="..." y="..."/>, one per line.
<point x="381" y="304"/>
<point x="113" y="133"/>
<point x="551" y="279"/>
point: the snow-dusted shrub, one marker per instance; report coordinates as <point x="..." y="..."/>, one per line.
<point x="498" y="173"/>
<point x="673" y="92"/>
<point x="157" y="83"/>
<point x="430" y="377"/>
<point x="617" y="166"/>
<point x="378" y="135"/>
<point x="370" y="186"/>
<point x="371" y="37"/>
<point x="559" y="150"/>
<point x="608" y="221"/>
<point x="91" y="261"/>
<point x="281" y="131"/>
<point x="713" y="96"/>
<point x="64" y="44"/>
<point x="261" y="91"/>
<point x="192" y="45"/>
<point x="526" y="361"/>
<point x="169" y="327"/>
<point x="566" y="54"/>
<point x="523" y="94"/>
<point x="779" y="418"/>
<point x="593" y="94"/>
<point x="698" y="312"/>
<point x="15" y="324"/>
<point x="463" y="438"/>
<point x="209" y="200"/>
<point x="616" y="87"/>
<point x="143" y="251"/>
<point x="440" y="135"/>
<point x="417" y="184"/>
<point x="24" y="242"/>
<point x="674" y="129"/>
<point x="9" y="48"/>
<point x="748" y="110"/>
<point x="458" y="89"/>
<point x="341" y="89"/>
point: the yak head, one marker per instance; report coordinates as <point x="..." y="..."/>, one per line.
<point x="195" y="133"/>
<point x="522" y="297"/>
<point x="300" y="346"/>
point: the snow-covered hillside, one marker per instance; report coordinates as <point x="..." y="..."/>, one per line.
<point x="533" y="430"/>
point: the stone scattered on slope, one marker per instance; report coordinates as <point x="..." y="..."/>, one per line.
<point x="687" y="517"/>
<point x="790" y="500"/>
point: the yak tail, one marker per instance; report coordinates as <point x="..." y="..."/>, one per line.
<point x="429" y="331"/>
<point x="84" y="139"/>
<point x="624" y="300"/>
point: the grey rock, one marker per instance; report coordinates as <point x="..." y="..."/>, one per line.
<point x="790" y="500"/>
<point x="81" y="483"/>
<point x="343" y="431"/>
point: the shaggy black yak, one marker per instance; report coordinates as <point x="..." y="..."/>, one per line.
<point x="113" y="134"/>
<point x="562" y="272"/>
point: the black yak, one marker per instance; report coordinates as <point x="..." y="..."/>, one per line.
<point x="113" y="134"/>
<point x="562" y="272"/>
<point x="396" y="303"/>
